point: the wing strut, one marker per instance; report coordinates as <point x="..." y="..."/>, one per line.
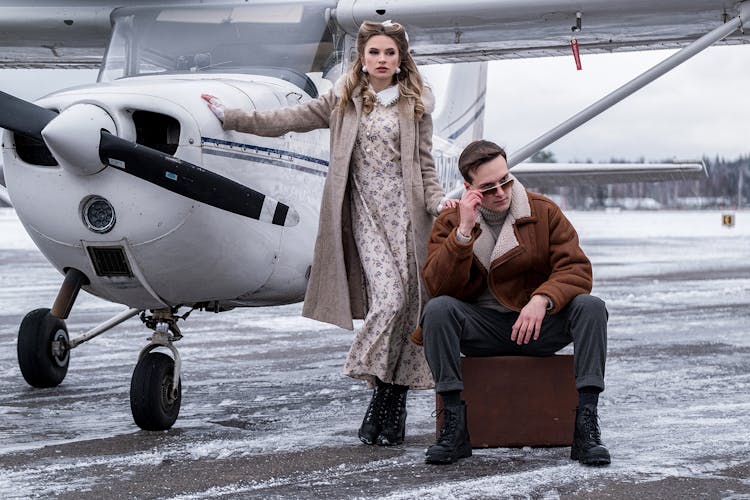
<point x="637" y="83"/>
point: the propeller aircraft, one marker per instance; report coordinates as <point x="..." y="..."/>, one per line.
<point x="150" y="204"/>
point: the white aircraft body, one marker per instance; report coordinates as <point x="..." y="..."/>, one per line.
<point x="133" y="191"/>
<point x="4" y="198"/>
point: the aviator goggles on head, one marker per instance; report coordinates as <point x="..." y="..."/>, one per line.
<point x="503" y="183"/>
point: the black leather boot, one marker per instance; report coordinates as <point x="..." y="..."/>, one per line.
<point x="394" y="416"/>
<point x="587" y="442"/>
<point x="454" y="442"/>
<point x="372" y="423"/>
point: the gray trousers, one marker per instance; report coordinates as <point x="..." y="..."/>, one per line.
<point x="451" y="327"/>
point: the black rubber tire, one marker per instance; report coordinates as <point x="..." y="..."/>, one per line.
<point x="39" y="366"/>
<point x="150" y="402"/>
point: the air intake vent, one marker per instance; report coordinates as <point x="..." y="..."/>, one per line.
<point x="33" y="152"/>
<point x="109" y="261"/>
<point x="157" y="131"/>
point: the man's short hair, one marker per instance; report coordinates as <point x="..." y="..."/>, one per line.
<point x="476" y="154"/>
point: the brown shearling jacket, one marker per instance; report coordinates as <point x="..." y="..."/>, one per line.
<point x="537" y="252"/>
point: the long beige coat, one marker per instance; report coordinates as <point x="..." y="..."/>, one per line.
<point x="336" y="290"/>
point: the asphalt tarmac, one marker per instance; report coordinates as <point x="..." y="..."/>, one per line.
<point x="266" y="412"/>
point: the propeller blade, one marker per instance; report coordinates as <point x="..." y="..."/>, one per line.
<point x="192" y="181"/>
<point x="23" y="117"/>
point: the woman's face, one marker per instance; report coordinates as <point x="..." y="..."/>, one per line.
<point x="381" y="59"/>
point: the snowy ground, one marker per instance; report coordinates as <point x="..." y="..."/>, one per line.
<point x="266" y="413"/>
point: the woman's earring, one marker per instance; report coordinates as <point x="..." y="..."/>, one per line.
<point x="364" y="69"/>
<point x="398" y="70"/>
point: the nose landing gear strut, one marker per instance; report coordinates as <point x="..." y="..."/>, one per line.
<point x="155" y="389"/>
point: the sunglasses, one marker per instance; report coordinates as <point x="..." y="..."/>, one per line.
<point x="502" y="184"/>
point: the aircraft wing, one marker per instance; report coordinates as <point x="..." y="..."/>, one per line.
<point x="548" y="175"/>
<point x="74" y="34"/>
<point x="541" y="176"/>
<point x="446" y="31"/>
<point x="56" y="35"/>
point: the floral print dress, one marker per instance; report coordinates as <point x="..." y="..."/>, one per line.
<point x="384" y="239"/>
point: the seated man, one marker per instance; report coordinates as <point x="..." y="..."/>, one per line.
<point x="509" y="278"/>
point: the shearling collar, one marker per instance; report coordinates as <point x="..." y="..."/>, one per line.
<point x="487" y="250"/>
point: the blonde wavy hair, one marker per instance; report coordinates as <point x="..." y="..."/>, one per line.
<point x="410" y="84"/>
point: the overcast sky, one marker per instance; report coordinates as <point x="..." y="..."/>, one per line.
<point x="701" y="107"/>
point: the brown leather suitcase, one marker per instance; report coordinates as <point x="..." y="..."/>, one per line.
<point x="516" y="401"/>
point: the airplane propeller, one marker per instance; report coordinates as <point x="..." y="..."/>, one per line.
<point x="23" y="117"/>
<point x="156" y="167"/>
<point x="190" y="180"/>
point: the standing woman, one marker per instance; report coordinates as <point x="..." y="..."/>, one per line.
<point x="379" y="198"/>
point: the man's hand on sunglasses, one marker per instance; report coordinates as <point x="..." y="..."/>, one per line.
<point x="468" y="209"/>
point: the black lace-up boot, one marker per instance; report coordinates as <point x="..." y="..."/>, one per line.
<point x="373" y="421"/>
<point x="394" y="416"/>
<point x="587" y="442"/>
<point x="454" y="442"/>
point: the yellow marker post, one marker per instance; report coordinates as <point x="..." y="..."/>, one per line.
<point x="727" y="220"/>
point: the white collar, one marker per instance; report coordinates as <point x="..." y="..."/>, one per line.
<point x="388" y="96"/>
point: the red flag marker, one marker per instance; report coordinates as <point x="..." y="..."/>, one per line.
<point x="576" y="54"/>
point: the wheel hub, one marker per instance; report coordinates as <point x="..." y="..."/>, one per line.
<point x="168" y="394"/>
<point x="60" y="348"/>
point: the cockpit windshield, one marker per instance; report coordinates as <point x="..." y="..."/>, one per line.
<point x="262" y="38"/>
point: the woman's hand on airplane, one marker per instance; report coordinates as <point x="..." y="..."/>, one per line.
<point x="215" y="105"/>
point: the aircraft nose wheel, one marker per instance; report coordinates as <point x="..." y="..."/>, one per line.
<point x="43" y="349"/>
<point x="154" y="399"/>
<point x="155" y="389"/>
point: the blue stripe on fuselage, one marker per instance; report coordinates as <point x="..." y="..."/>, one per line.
<point x="468" y="124"/>
<point x="222" y="142"/>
